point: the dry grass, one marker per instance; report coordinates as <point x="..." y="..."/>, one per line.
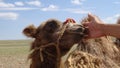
<point x="13" y="53"/>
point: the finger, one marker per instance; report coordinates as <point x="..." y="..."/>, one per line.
<point x="85" y="23"/>
<point x="90" y="16"/>
<point x="86" y="38"/>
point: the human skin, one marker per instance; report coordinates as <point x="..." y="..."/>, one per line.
<point x="97" y="28"/>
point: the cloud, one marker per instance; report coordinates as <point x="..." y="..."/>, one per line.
<point x="77" y="2"/>
<point x="81" y="12"/>
<point x="6" y="5"/>
<point x="77" y="11"/>
<point x="117" y="2"/>
<point x="8" y="15"/>
<point x="50" y="8"/>
<point x="1" y="0"/>
<point x="19" y="3"/>
<point x="34" y="3"/>
<point x="20" y="8"/>
<point x="112" y="19"/>
<point x="10" y="6"/>
<point x="14" y="6"/>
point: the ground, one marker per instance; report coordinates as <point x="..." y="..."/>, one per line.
<point x="13" y="53"/>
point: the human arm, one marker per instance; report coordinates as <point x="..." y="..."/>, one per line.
<point x="111" y="29"/>
<point x="97" y="28"/>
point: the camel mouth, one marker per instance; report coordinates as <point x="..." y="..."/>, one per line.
<point x="77" y="29"/>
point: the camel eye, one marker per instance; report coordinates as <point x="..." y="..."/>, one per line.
<point x="52" y="26"/>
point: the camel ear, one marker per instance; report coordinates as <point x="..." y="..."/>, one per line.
<point x="30" y="31"/>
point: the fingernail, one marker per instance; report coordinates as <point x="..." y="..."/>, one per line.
<point x="89" y="13"/>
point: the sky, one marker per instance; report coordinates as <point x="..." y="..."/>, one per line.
<point x="15" y="15"/>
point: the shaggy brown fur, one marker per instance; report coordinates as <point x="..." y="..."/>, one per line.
<point x="93" y="53"/>
<point x="48" y="32"/>
<point x="117" y="41"/>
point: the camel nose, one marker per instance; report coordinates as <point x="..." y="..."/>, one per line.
<point x="77" y="29"/>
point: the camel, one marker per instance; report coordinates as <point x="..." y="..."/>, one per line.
<point x="53" y="39"/>
<point x="95" y="53"/>
<point x="117" y="41"/>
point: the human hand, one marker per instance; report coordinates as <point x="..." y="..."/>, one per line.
<point x="94" y="26"/>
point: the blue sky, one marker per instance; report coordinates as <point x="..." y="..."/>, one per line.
<point x="15" y="15"/>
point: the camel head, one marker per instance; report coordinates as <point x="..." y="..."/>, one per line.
<point x="66" y="33"/>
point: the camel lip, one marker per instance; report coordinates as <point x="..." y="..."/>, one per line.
<point x="77" y="28"/>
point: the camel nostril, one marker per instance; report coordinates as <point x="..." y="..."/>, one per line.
<point x="79" y="30"/>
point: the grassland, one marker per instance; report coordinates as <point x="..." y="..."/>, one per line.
<point x="13" y="53"/>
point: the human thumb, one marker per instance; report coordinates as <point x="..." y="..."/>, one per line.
<point x="91" y="16"/>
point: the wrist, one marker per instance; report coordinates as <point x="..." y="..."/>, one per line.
<point x="102" y="29"/>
